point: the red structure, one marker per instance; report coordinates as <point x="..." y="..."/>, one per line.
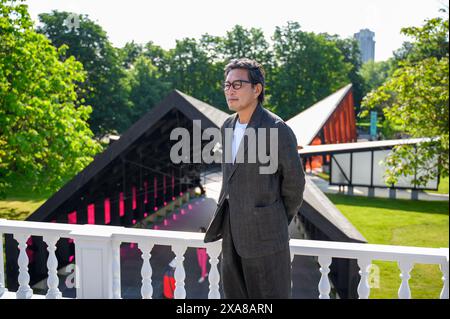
<point x="329" y="121"/>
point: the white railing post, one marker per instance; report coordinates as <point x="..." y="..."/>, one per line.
<point x="180" y="292"/>
<point x="444" y="268"/>
<point x="2" y="269"/>
<point x="324" y="283"/>
<point x="213" y="251"/>
<point x="52" y="265"/>
<point x="292" y="260"/>
<point x="146" y="271"/>
<point x="93" y="261"/>
<point x="24" y="291"/>
<point x="116" y="269"/>
<point x="405" y="267"/>
<point x="363" y="286"/>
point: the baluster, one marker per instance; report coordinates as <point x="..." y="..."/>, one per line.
<point x="24" y="291"/>
<point x="146" y="271"/>
<point x="2" y="270"/>
<point x="292" y="260"/>
<point x="180" y="292"/>
<point x="214" y="277"/>
<point x="404" y="292"/>
<point x="363" y="286"/>
<point x="324" y="283"/>
<point x="52" y="265"/>
<point x="116" y="269"/>
<point x="444" y="268"/>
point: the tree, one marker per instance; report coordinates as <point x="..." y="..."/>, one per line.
<point x="249" y="43"/>
<point x="349" y="48"/>
<point x="308" y="68"/>
<point x="192" y="71"/>
<point x="374" y="74"/>
<point x="129" y="53"/>
<point x="146" y="87"/>
<point x="105" y="88"/>
<point x="416" y="99"/>
<point x="240" y="43"/>
<point x="44" y="135"/>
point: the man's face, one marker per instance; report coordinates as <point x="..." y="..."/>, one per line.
<point x="238" y="99"/>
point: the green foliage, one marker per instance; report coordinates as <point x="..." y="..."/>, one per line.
<point x="190" y="70"/>
<point x="431" y="40"/>
<point x="44" y="136"/>
<point x="196" y="66"/>
<point x="374" y="74"/>
<point x="146" y="87"/>
<point x="105" y="88"/>
<point x="309" y="67"/>
<point x="352" y="56"/>
<point x="415" y="99"/>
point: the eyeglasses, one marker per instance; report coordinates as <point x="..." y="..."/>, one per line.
<point x="237" y="84"/>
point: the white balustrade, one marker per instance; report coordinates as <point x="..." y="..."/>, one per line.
<point x="24" y="291"/>
<point x="52" y="265"/>
<point x="444" y="269"/>
<point x="2" y="270"/>
<point x="213" y="251"/>
<point x="146" y="271"/>
<point x="180" y="292"/>
<point x="324" y="283"/>
<point x="97" y="253"/>
<point x="405" y="267"/>
<point x="363" y="286"/>
<point x="292" y="260"/>
<point x="116" y="269"/>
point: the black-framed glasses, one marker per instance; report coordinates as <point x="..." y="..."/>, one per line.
<point x="237" y="84"/>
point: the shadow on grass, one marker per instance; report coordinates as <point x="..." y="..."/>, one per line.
<point x="13" y="213"/>
<point x="417" y="206"/>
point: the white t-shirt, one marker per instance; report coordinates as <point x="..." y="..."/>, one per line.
<point x="238" y="133"/>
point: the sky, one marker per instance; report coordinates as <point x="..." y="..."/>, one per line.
<point x="165" y="21"/>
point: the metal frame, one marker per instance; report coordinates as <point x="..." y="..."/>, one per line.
<point x="349" y="179"/>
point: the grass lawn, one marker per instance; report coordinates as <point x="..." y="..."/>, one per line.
<point x="405" y="223"/>
<point x="19" y="208"/>
<point x="442" y="187"/>
<point x="20" y="202"/>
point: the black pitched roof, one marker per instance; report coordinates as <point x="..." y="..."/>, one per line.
<point x="187" y="105"/>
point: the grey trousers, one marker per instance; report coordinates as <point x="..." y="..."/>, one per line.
<point x="254" y="278"/>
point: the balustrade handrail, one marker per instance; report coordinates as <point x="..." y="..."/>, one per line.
<point x="106" y="240"/>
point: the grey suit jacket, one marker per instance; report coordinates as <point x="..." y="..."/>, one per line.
<point x="261" y="206"/>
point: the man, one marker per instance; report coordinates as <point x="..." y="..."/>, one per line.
<point x="255" y="209"/>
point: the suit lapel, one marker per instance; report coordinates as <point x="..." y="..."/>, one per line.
<point x="254" y="123"/>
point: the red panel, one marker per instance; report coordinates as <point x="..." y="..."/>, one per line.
<point x="121" y="205"/>
<point x="316" y="141"/>
<point x="91" y="214"/>
<point x="353" y="118"/>
<point x="349" y="121"/>
<point x="72" y="217"/>
<point x="133" y="190"/>
<point x="343" y="126"/>
<point x="337" y="128"/>
<point x="107" y="211"/>
<point x="331" y="131"/>
<point x="326" y="136"/>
